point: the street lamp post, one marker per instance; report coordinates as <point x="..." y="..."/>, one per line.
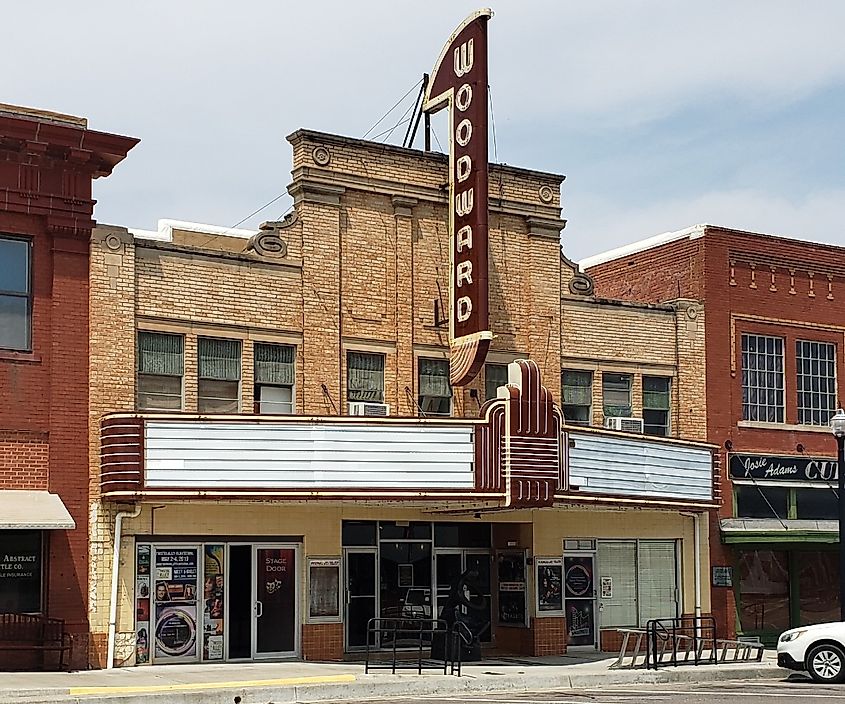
<point x="837" y="427"/>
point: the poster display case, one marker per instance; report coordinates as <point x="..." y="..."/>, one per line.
<point x="512" y="588"/>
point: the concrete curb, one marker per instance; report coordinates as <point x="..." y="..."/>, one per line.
<point x="392" y="687"/>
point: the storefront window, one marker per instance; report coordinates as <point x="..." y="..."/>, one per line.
<point x="618" y="566"/>
<point x="762" y="502"/>
<point x="817" y="571"/>
<point x="656" y="567"/>
<point x="389" y="530"/>
<point x="359" y="533"/>
<point x="816" y="504"/>
<point x="764" y="590"/>
<point x="20" y="571"/>
<point x="465" y="535"/>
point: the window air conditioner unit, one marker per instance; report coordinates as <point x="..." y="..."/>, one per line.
<point x="626" y="425"/>
<point x="363" y="408"/>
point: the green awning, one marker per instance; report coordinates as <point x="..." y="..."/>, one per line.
<point x="771" y="530"/>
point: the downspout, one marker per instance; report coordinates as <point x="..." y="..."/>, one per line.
<point x="696" y="569"/>
<point x="115" y="568"/>
<point x="696" y="524"/>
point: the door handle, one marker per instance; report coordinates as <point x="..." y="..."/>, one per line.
<point x="259" y="609"/>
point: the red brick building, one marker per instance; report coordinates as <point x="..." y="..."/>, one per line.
<point x="775" y="319"/>
<point x="47" y="163"/>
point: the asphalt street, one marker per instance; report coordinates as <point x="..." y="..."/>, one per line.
<point x="801" y="691"/>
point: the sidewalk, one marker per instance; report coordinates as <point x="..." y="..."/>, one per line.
<point x="280" y="682"/>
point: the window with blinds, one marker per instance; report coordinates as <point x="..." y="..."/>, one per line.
<point x="656" y="405"/>
<point x="161" y="367"/>
<point x="616" y="394"/>
<point x="275" y="374"/>
<point x="657" y="579"/>
<point x="435" y="391"/>
<point x="218" y="375"/>
<point x="576" y="391"/>
<point x="495" y="375"/>
<point x="617" y="559"/>
<point x="644" y="579"/>
<point x="365" y="377"/>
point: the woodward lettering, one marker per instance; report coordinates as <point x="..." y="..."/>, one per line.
<point x="459" y="83"/>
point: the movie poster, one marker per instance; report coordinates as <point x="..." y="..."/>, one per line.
<point x="175" y="598"/>
<point x="549" y="585"/>
<point x="142" y="604"/>
<point x="212" y="594"/>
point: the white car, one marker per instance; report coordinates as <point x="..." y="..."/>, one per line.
<point x="818" y="649"/>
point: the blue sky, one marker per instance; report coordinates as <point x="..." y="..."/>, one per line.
<point x="662" y="114"/>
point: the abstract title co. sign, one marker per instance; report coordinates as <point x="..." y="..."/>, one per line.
<point x="459" y="82"/>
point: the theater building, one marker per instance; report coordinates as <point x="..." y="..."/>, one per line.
<point x="774" y="336"/>
<point x="47" y="164"/>
<point x="282" y="456"/>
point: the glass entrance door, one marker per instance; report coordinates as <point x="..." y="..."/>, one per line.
<point x="580" y="600"/>
<point x="449" y="565"/>
<point x="360" y="580"/>
<point x="275" y="597"/>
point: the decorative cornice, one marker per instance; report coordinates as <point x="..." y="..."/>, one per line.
<point x="186" y="250"/>
<point x="310" y="191"/>
<point x="549" y="228"/>
<point x="268" y="242"/>
<point x="581" y="284"/>
<point x="403" y="206"/>
<point x="310" y="178"/>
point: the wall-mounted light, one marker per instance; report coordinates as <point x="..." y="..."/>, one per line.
<point x="729" y="445"/>
<point x="800" y="448"/>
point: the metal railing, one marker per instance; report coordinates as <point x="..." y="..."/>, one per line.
<point x="410" y="641"/>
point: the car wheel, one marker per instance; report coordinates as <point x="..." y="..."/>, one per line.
<point x="826" y="663"/>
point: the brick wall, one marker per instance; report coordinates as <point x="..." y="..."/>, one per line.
<point x="367" y="259"/>
<point x="322" y="641"/>
<point x="47" y="163"/>
<point x="24" y="459"/>
<point x="549" y="636"/>
<point x="753" y="283"/>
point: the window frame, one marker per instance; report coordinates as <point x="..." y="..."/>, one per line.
<point x="28" y="296"/>
<point x="258" y="385"/>
<point x="420" y="403"/>
<point x="604" y="403"/>
<point x="239" y="381"/>
<point x="383" y="391"/>
<point x="746" y="388"/>
<point x="832" y="382"/>
<point x="563" y="404"/>
<point x="139" y="374"/>
<point x="487" y="366"/>
<point x="667" y="410"/>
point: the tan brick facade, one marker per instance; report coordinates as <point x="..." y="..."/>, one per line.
<point x="366" y="264"/>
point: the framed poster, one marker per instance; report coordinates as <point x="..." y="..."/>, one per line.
<point x="213" y="585"/>
<point x="173" y="610"/>
<point x="324" y="589"/>
<point x="513" y="606"/>
<point x="549" y="586"/>
<point x="142" y="603"/>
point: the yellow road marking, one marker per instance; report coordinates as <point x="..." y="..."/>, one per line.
<point x="139" y="689"/>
